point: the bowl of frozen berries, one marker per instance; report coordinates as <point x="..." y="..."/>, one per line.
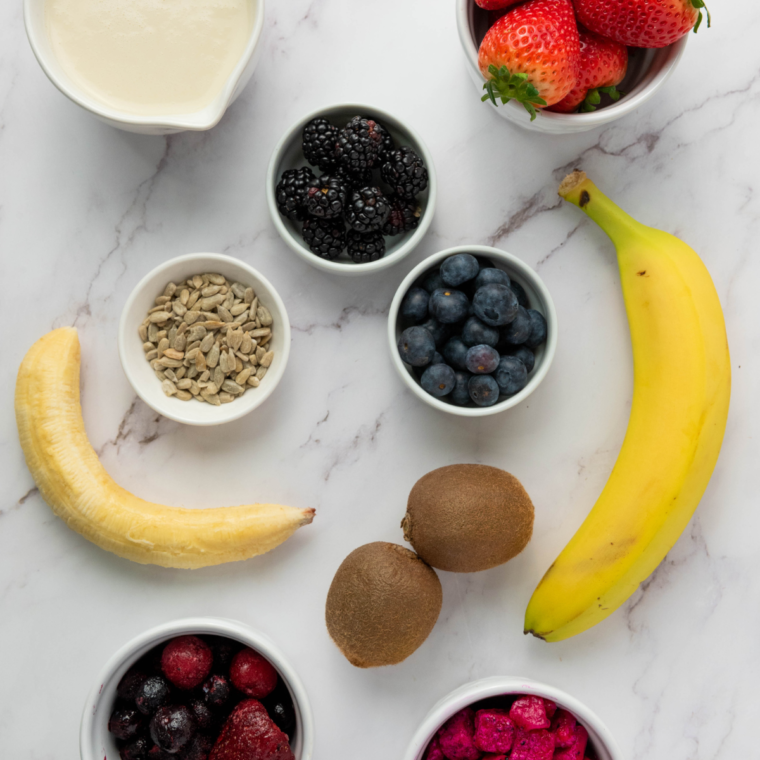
<point x="351" y="189"/>
<point x="597" y="62"/>
<point x="197" y="689"/>
<point x="472" y="330"/>
<point x="504" y="718"/>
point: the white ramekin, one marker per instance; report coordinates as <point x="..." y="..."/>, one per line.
<point x="288" y="155"/>
<point x="539" y="297"/>
<point x="95" y="741"/>
<point x="646" y="75"/>
<point x="34" y="19"/>
<point x="141" y="375"/>
<point x="599" y="735"/>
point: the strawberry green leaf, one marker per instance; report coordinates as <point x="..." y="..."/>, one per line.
<point x="701" y="4"/>
<point x="506" y="87"/>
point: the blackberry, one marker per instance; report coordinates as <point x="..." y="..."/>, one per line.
<point x="368" y="210"/>
<point x="319" y="137"/>
<point x="365" y="247"/>
<point x="326" y="197"/>
<point x="405" y="215"/>
<point x="353" y="180"/>
<point x="325" y="237"/>
<point x="358" y="145"/>
<point x="405" y="172"/>
<point x="387" y="145"/>
<point x="290" y="193"/>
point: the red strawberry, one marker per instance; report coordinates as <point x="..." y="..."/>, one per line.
<point x="531" y="54"/>
<point x="250" y="734"/>
<point x="641" y="23"/>
<point x="603" y="65"/>
<point x="495" y="5"/>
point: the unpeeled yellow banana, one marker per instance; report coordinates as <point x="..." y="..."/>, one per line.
<point x="682" y="385"/>
<point x="74" y="483"/>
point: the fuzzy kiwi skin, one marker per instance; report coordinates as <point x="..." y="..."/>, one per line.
<point x="468" y="517"/>
<point x="382" y="604"/>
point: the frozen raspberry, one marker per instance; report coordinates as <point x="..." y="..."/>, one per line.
<point x="577" y="750"/>
<point x="137" y="749"/>
<point x="494" y="731"/>
<point x="252" y="674"/>
<point x="216" y="691"/>
<point x="529" y="713"/>
<point x="532" y="745"/>
<point x="434" y="751"/>
<point x="563" y="728"/>
<point x="186" y="661"/>
<point x="457" y="736"/>
<point x="171" y="728"/>
<point x="153" y="693"/>
<point x="125" y="723"/>
<point x="250" y="734"/>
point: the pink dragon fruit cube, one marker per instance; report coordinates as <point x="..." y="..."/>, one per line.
<point x="494" y="757"/>
<point x="550" y="707"/>
<point x="578" y="749"/>
<point x="532" y="745"/>
<point x="434" y="751"/>
<point x="457" y="736"/>
<point x="563" y="728"/>
<point x="529" y="713"/>
<point x="494" y="731"/>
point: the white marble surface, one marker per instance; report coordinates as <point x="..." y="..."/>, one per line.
<point x="86" y="210"/>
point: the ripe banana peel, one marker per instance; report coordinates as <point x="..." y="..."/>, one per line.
<point x="682" y="385"/>
<point x="74" y="483"/>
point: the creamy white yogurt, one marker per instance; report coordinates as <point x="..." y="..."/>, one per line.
<point x="150" y="57"/>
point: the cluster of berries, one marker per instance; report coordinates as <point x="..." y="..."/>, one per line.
<point x="353" y="162"/>
<point x="203" y="698"/>
<point x="511" y="728"/>
<point x="473" y="332"/>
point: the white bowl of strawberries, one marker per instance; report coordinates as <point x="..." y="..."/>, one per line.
<point x="561" y="66"/>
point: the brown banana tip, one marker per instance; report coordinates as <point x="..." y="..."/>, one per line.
<point x="572" y="180"/>
<point x="308" y="516"/>
<point x="533" y="633"/>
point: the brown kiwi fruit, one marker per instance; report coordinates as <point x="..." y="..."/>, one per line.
<point x="382" y="604"/>
<point x="468" y="517"/>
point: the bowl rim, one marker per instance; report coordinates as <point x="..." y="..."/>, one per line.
<point x="492" y="686"/>
<point x="179" y="122"/>
<point x="522" y="269"/>
<point x="227" y="412"/>
<point x="203" y="625"/>
<point x="346" y="267"/>
<point x="595" y="118"/>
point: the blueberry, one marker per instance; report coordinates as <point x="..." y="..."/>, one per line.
<point x="492" y="277"/>
<point x="459" y="268"/>
<point x="199" y="748"/>
<point x="415" y="305"/>
<point x="125" y="723"/>
<point x="153" y="693"/>
<point x="482" y="360"/>
<point x="455" y="353"/>
<point x="438" y="380"/>
<point x="437" y="359"/>
<point x="223" y="649"/>
<point x="483" y="390"/>
<point x="519" y="329"/>
<point x="439" y="331"/>
<point x="137" y="749"/>
<point x="525" y="355"/>
<point x="511" y="375"/>
<point x="204" y="718"/>
<point x="416" y="346"/>
<point x="279" y="705"/>
<point x="538" y="329"/>
<point x="475" y="332"/>
<point x="130" y="684"/>
<point x="522" y="296"/>
<point x="448" y="306"/>
<point x="433" y="281"/>
<point x="495" y="304"/>
<point x="171" y="728"/>
<point x="216" y="690"/>
<point x="461" y="395"/>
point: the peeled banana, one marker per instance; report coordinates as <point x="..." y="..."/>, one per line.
<point x="682" y="385"/>
<point x="74" y="483"/>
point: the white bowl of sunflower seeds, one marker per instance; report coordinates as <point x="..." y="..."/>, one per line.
<point x="204" y="339"/>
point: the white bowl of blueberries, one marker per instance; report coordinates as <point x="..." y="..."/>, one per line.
<point x="472" y="330"/>
<point x="351" y="189"/>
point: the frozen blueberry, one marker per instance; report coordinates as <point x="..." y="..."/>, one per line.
<point x="459" y="268"/>
<point x="492" y="276"/>
<point x="438" y="380"/>
<point x="476" y="332"/>
<point x="414" y="307"/>
<point x="130" y="684"/>
<point x="522" y="296"/>
<point x="199" y="748"/>
<point x="448" y="306"/>
<point x="538" y="329"/>
<point x="495" y="304"/>
<point x="433" y="281"/>
<point x="511" y="375"/>
<point x="279" y="705"/>
<point x="137" y="749"/>
<point x="223" y="649"/>
<point x="416" y="346"/>
<point x="125" y="723"/>
<point x="153" y="693"/>
<point x="440" y="332"/>
<point x="455" y="352"/>
<point x="216" y="690"/>
<point x="482" y="360"/>
<point x="461" y="394"/>
<point x="204" y="718"/>
<point x="171" y="728"/>
<point x="525" y="355"/>
<point x="483" y="390"/>
<point x="519" y="329"/>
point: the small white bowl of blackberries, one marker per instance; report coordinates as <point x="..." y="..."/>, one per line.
<point x="351" y="189"/>
<point x="472" y="331"/>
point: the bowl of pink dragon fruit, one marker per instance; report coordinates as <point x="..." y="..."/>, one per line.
<point x="512" y="719"/>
